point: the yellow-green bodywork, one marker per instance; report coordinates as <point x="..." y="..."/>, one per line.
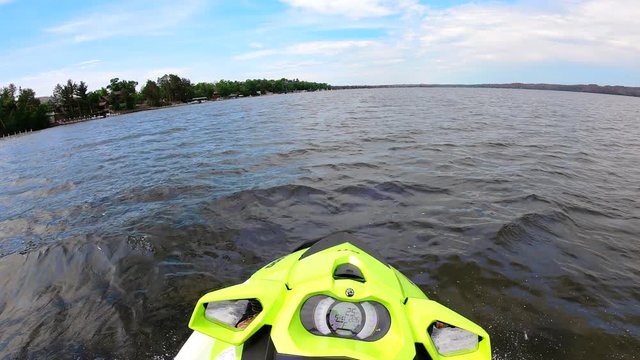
<point x="283" y="286"/>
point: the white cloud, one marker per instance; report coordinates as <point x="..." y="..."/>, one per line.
<point x="414" y="44"/>
<point x="86" y="64"/>
<point x="356" y="8"/>
<point x="594" y="31"/>
<point x="2" y="2"/>
<point x="292" y="65"/>
<point x="462" y="43"/>
<point x="139" y="19"/>
<point x="256" y="54"/>
<point x="389" y="61"/>
<point x="319" y="48"/>
<point x="352" y="8"/>
<point x="327" y="47"/>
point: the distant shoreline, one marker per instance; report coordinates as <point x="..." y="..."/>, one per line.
<point x="590" y="88"/>
<point x="145" y="108"/>
<point x="21" y="111"/>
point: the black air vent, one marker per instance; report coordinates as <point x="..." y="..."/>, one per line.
<point x="348" y="271"/>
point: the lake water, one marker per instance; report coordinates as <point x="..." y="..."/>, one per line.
<point x="519" y="209"/>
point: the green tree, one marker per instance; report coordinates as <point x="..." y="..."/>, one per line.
<point x="122" y="93"/>
<point x="21" y="113"/>
<point x="175" y="88"/>
<point x="204" y="89"/>
<point x="250" y="88"/>
<point x="72" y="100"/>
<point x="31" y="113"/>
<point x="222" y="88"/>
<point x="226" y="88"/>
<point x="151" y="93"/>
<point x="81" y="97"/>
<point x="7" y="107"/>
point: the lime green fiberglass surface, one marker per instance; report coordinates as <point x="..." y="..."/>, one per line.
<point x="282" y="287"/>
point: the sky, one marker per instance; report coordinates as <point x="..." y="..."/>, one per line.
<point x="340" y="42"/>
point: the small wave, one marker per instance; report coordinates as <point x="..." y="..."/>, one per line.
<point x="271" y="196"/>
<point x="532" y="228"/>
<point x="485" y="181"/>
<point x="161" y="193"/>
<point x="230" y="152"/>
<point x="400" y="188"/>
<point x="378" y="139"/>
<point x="547" y="171"/>
<point x="499" y="144"/>
<point x="348" y="166"/>
<point x="364" y="192"/>
<point x="530" y="198"/>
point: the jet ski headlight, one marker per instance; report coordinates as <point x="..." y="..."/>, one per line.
<point x="450" y="340"/>
<point x="325" y="316"/>
<point x="235" y="313"/>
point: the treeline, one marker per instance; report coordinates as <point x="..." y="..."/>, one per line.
<point x="72" y="100"/>
<point x="172" y="88"/>
<point x="591" y="88"/>
<point x="20" y="110"/>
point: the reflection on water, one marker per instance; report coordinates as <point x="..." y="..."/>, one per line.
<point x="519" y="209"/>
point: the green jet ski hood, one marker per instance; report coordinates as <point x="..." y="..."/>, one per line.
<point x="335" y="299"/>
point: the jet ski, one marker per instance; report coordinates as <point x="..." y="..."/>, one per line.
<point x="336" y="299"/>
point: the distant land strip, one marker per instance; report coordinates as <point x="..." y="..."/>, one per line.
<point x="590" y="88"/>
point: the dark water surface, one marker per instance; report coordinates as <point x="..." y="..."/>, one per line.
<point x="518" y="209"/>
